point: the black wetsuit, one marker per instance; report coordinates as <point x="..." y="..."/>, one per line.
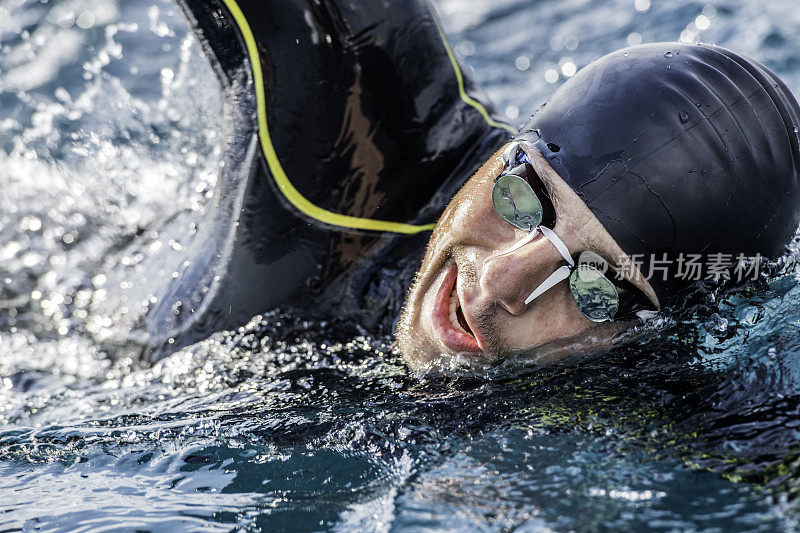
<point x="367" y="116"/>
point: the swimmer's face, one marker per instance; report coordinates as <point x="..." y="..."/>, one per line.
<point x="468" y="299"/>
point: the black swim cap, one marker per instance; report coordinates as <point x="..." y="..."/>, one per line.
<point x="678" y="149"/>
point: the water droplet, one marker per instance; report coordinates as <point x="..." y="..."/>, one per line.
<point x="571" y="42"/>
<point x="568" y="67"/>
<point x="698" y="105"/>
<point x="684" y="117"/>
<point x="633" y="39"/>
<point x="553" y="147"/>
<point x="668" y="54"/>
<point x="466" y="48"/>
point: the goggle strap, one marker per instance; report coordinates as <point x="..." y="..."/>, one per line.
<point x="510" y="153"/>
<point x="520" y="243"/>
<point x="558" y="243"/>
<point x="552" y="280"/>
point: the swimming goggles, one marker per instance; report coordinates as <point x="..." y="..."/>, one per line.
<point x="516" y="202"/>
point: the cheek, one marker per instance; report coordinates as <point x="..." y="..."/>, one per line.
<point x="468" y="203"/>
<point x="470" y="212"/>
<point x="472" y="220"/>
<point x="554" y="316"/>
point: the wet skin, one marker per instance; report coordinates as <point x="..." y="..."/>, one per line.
<point x="465" y="255"/>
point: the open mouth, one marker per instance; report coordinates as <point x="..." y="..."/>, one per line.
<point x="457" y="314"/>
<point x="449" y="321"/>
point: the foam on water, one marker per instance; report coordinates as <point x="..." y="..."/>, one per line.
<point x="109" y="154"/>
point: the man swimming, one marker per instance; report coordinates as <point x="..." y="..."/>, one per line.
<point x="658" y="153"/>
<point x="352" y="125"/>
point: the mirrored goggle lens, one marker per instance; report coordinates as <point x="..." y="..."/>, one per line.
<point x="516" y="203"/>
<point x="596" y="297"/>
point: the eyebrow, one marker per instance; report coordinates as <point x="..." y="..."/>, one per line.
<point x="551" y="191"/>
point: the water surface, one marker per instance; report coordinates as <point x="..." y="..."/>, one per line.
<point x="108" y="157"/>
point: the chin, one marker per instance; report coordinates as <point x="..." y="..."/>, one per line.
<point x="411" y="343"/>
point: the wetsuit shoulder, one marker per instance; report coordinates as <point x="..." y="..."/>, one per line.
<point x="350" y="124"/>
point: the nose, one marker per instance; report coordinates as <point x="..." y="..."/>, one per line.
<point x="509" y="277"/>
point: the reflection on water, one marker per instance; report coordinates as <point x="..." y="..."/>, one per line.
<point x="108" y="139"/>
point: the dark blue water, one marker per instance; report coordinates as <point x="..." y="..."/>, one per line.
<point x="109" y="154"/>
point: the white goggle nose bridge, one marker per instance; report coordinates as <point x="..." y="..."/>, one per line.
<point x="510" y="154"/>
<point x="510" y="159"/>
<point x="596" y="297"/>
<point x="556" y="277"/>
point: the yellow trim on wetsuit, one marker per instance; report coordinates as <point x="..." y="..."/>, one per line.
<point x="462" y="91"/>
<point x="289" y="191"/>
